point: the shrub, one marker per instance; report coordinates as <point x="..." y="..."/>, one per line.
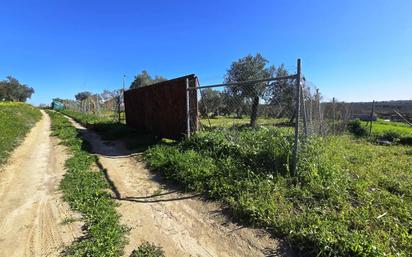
<point x="148" y="250"/>
<point x="355" y="127"/>
<point x="391" y="136"/>
<point x="407" y="140"/>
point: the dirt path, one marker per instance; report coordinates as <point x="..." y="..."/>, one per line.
<point x="182" y="224"/>
<point x="31" y="209"/>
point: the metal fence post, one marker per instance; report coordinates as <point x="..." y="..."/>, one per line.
<point x="187" y="108"/>
<point x="305" y="122"/>
<point x="296" y="139"/>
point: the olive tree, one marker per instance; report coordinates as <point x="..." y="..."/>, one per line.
<point x="12" y="90"/>
<point x="249" y="68"/>
<point x="144" y="79"/>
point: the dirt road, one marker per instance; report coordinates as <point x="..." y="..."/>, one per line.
<point x="184" y="225"/>
<point x="31" y="209"/>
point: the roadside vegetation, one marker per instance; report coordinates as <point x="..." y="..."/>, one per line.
<point x="87" y="118"/>
<point x="350" y="198"/>
<point x="86" y="190"/>
<point x="111" y="130"/>
<point x="16" y="121"/>
<point x="148" y="250"/>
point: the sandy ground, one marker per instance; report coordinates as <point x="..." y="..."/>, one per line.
<point x="31" y="208"/>
<point x="182" y="224"/>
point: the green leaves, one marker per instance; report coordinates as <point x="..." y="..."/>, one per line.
<point x="148" y="250"/>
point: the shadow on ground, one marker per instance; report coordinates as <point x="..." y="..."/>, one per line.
<point x="124" y="143"/>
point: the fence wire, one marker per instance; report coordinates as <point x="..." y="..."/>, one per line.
<point x="288" y="102"/>
<point x="108" y="105"/>
<point x="266" y="103"/>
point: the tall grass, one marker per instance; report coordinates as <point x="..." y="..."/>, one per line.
<point x="16" y="120"/>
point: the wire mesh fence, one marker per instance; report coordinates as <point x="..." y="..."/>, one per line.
<point x="262" y="102"/>
<point x="322" y="118"/>
<point x="108" y="105"/>
<point x="273" y="101"/>
<point x="285" y="101"/>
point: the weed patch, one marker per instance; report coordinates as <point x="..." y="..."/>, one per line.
<point x="86" y="190"/>
<point x="148" y="250"/>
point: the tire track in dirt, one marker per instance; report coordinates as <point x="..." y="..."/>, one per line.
<point x="31" y="208"/>
<point x="182" y="224"/>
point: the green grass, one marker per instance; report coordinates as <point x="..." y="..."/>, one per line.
<point x="380" y="127"/>
<point x="350" y="198"/>
<point x="16" y="121"/>
<point x="111" y="130"/>
<point x="397" y="132"/>
<point x="86" y="190"/>
<point x="227" y="122"/>
<point x="87" y="118"/>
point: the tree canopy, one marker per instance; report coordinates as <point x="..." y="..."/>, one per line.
<point x="82" y="95"/>
<point x="12" y="90"/>
<point x="281" y="93"/>
<point x="245" y="69"/>
<point x="144" y="79"/>
<point x="210" y="102"/>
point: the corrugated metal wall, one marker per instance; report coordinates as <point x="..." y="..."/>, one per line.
<point x="161" y="108"/>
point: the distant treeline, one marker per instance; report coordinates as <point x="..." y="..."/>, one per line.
<point x="383" y="109"/>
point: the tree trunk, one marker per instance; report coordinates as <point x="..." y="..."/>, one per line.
<point x="253" y="115"/>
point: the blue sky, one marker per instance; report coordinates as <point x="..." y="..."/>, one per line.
<point x="352" y="50"/>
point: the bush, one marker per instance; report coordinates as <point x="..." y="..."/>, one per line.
<point x="391" y="136"/>
<point x="355" y="127"/>
<point x="148" y="250"/>
<point x="407" y="140"/>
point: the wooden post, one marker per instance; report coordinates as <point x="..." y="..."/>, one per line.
<point x="296" y="139"/>
<point x="371" y="117"/>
